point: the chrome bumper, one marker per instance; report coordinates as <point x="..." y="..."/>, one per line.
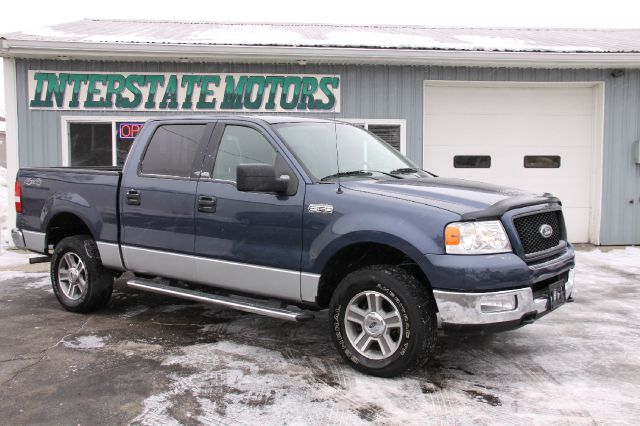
<point x="510" y="308"/>
<point x="18" y="239"/>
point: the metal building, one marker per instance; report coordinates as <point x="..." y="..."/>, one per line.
<point x="541" y="109"/>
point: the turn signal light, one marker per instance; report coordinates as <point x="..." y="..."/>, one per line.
<point x="452" y="236"/>
<point x="18" y="194"/>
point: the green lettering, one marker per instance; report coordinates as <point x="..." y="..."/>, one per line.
<point x="273" y="82"/>
<point x="115" y="86"/>
<point x="258" y="82"/>
<point x="170" y="98"/>
<point x="37" y="101"/>
<point x="205" y="91"/>
<point x="233" y="93"/>
<point x="189" y="81"/>
<point x="55" y="89"/>
<point x="153" y="81"/>
<point x="92" y="91"/>
<point x="132" y="85"/>
<point x="289" y="104"/>
<point x="309" y="87"/>
<point x="325" y="82"/>
<point x="76" y="81"/>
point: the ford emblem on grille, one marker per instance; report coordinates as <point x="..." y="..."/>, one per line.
<point x="545" y="230"/>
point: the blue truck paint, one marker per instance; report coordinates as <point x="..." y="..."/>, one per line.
<point x="278" y="231"/>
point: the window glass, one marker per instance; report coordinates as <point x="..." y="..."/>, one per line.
<point x="389" y="134"/>
<point x="541" y="161"/>
<point x="241" y="145"/>
<point x="317" y="145"/>
<point x="472" y="161"/>
<point x="172" y="150"/>
<point x="90" y="144"/>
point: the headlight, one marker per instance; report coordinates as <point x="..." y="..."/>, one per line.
<point x="476" y="238"/>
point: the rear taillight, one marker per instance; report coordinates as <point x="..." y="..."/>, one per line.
<point x="18" y="197"/>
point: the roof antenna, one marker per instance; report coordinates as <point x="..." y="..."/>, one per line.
<point x="335" y="132"/>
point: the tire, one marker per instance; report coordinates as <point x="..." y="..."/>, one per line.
<point x="404" y="340"/>
<point x="86" y="287"/>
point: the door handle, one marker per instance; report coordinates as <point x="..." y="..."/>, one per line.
<point x="206" y="204"/>
<point x="133" y="197"/>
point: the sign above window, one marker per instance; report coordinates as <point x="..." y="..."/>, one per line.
<point x="60" y="90"/>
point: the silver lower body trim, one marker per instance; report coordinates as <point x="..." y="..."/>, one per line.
<point x="30" y="240"/>
<point x="18" y="238"/>
<point x="110" y="255"/>
<point x="241" y="277"/>
<point x="309" y="286"/>
<point x="491" y="308"/>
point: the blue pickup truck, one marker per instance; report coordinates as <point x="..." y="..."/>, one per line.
<point x="310" y="213"/>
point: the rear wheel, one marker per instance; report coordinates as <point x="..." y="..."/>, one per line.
<point x="79" y="280"/>
<point x="383" y="320"/>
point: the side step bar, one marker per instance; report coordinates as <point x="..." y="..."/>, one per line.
<point x="214" y="299"/>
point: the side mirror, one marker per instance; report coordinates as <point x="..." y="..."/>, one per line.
<point x="260" y="178"/>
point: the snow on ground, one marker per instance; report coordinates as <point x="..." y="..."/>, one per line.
<point x="578" y="365"/>
<point x="5" y="235"/>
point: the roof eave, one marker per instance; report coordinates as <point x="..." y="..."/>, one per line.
<point x="289" y="54"/>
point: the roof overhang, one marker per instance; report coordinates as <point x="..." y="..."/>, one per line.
<point x="150" y="52"/>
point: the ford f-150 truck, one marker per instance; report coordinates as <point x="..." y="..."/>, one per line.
<point x="312" y="214"/>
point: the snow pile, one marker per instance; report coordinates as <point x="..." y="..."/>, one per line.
<point x="625" y="260"/>
<point x="86" y="342"/>
<point x="5" y="237"/>
<point x="11" y="258"/>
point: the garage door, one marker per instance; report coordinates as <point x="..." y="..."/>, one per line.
<point x="538" y="138"/>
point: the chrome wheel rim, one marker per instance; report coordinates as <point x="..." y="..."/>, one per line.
<point x="373" y="325"/>
<point x="72" y="276"/>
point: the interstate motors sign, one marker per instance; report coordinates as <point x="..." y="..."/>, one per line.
<point x="60" y="90"/>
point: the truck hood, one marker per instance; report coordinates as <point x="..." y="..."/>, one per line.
<point x="470" y="199"/>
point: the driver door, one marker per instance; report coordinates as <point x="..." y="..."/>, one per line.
<point x="247" y="241"/>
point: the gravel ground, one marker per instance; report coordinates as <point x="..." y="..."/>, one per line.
<point x="147" y="359"/>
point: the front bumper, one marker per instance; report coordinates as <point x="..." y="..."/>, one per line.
<point x="493" y="311"/>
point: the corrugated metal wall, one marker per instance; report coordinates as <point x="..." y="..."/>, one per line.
<point x="392" y="92"/>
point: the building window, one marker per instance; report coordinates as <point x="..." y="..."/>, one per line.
<point x="90" y="144"/>
<point x="541" y="161"/>
<point x="391" y="131"/>
<point x="472" y="161"/>
<point x="126" y="132"/>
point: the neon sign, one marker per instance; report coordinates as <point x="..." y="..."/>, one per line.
<point x="128" y="131"/>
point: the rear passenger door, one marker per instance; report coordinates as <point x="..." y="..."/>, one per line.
<point x="247" y="241"/>
<point x="158" y="199"/>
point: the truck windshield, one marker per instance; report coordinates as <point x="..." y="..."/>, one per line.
<point x="361" y="154"/>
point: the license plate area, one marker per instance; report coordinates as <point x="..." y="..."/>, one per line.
<point x="557" y="295"/>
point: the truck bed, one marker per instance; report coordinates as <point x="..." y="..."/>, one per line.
<point x="89" y="192"/>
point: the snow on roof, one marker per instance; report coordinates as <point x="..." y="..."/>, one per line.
<point x="100" y="31"/>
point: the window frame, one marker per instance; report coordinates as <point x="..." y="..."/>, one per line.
<point x="382" y="122"/>
<point x="66" y="120"/>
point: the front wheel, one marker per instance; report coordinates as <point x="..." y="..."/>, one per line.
<point x="383" y="320"/>
<point x="80" y="282"/>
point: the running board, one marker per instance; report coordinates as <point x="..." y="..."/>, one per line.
<point x="214" y="299"/>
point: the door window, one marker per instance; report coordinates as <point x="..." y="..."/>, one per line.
<point x="241" y="145"/>
<point x="172" y="150"/>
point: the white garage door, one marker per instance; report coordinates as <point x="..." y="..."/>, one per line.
<point x="533" y="137"/>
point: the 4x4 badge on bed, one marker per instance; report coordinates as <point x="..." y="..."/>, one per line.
<point x="545" y="230"/>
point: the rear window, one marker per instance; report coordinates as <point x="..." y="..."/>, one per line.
<point x="172" y="150"/>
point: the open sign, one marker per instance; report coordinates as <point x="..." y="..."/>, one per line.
<point x="129" y="131"/>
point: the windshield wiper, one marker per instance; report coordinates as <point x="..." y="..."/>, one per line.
<point x="356" y="173"/>
<point x="404" y="171"/>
